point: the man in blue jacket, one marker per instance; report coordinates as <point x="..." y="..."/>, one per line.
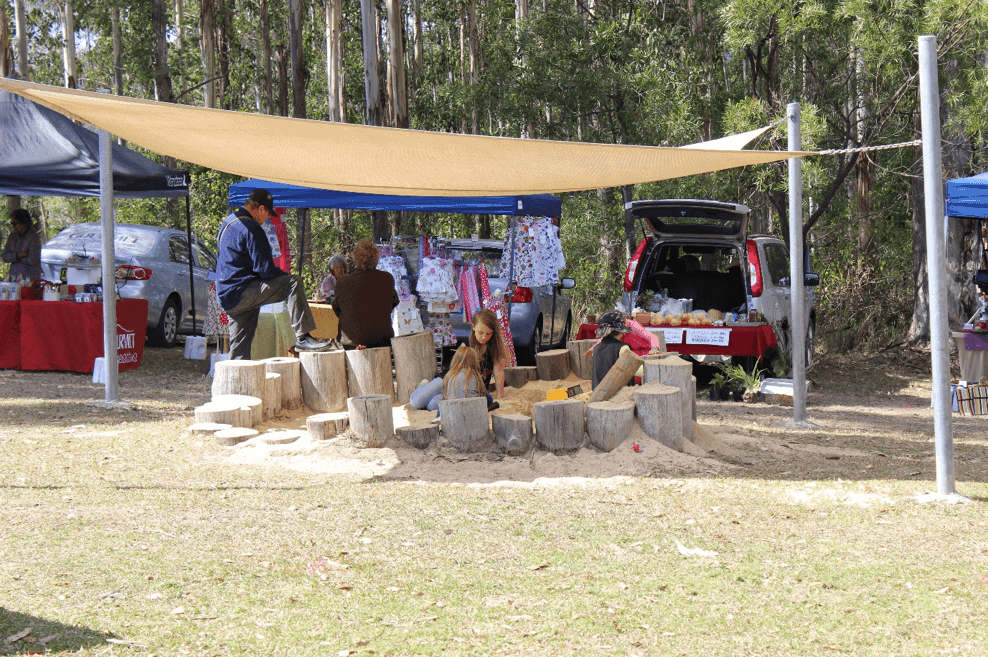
<point x="246" y="278"/>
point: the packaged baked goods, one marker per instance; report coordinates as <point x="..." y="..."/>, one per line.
<point x="657" y="319"/>
<point x="715" y="314"/>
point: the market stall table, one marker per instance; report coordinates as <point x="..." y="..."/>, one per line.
<point x="972" y="353"/>
<point x="737" y="340"/>
<point x="65" y="335"/>
<point x="10" y="335"/>
<point x="327" y="324"/>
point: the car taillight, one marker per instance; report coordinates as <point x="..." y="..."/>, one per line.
<point x="629" y="275"/>
<point x="132" y="273"/>
<point x="754" y="269"/>
<point x="521" y="295"/>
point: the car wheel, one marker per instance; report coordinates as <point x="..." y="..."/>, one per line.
<point x="810" y="342"/>
<point x="526" y="355"/>
<point x="164" y="334"/>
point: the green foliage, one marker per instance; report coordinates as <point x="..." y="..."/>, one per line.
<point x="749" y="381"/>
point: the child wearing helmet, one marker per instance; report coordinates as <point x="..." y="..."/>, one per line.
<point x="611" y="326"/>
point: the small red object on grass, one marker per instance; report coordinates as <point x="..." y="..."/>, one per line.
<point x="635" y="446"/>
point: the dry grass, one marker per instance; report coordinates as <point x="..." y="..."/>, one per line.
<point x="128" y="536"/>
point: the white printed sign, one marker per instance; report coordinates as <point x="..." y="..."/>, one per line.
<point x="713" y="337"/>
<point x="673" y="335"/>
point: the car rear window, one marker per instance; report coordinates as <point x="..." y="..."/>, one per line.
<point x="88" y="239"/>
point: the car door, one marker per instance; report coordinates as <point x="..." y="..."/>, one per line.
<point x="777" y="265"/>
<point x="203" y="271"/>
<point x="178" y="276"/>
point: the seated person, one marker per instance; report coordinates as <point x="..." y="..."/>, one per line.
<point x="337" y="268"/>
<point x="364" y="301"/>
<point x="610" y="327"/>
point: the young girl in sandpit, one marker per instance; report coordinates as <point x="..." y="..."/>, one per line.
<point x="487" y="341"/>
<point x="463" y="379"/>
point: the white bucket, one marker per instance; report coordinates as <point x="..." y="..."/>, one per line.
<point x="195" y="347"/>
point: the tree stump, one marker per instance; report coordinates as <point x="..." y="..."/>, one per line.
<point x="239" y="377"/>
<point x="513" y="434"/>
<point x="560" y="425"/>
<point x="517" y="377"/>
<point x="552" y="365"/>
<point x="371" y="419"/>
<point x="324" y="380"/>
<point x="272" y="395"/>
<point x="229" y="414"/>
<point x="281" y="437"/>
<point x="326" y="425"/>
<point x="678" y="373"/>
<point x="609" y="423"/>
<point x="419" y="435"/>
<point x="253" y="404"/>
<point x="693" y="398"/>
<point x="579" y="360"/>
<point x="234" y="436"/>
<point x="290" y="370"/>
<point x="660" y="413"/>
<point x="465" y="423"/>
<point x="415" y="361"/>
<point x="208" y="428"/>
<point x="620" y="373"/>
<point x="368" y="371"/>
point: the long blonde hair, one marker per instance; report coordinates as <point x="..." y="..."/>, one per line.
<point x="464" y="360"/>
<point x="496" y="347"/>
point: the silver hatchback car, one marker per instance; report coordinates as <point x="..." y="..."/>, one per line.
<point x="151" y="263"/>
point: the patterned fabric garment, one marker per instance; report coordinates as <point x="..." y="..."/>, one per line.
<point x="406" y="317"/>
<point x="328" y="287"/>
<point x="538" y="253"/>
<point x="217" y="323"/>
<point x="395" y="265"/>
<point x="495" y="302"/>
<point x="442" y="330"/>
<point x="437" y="281"/>
<point x="469" y="296"/>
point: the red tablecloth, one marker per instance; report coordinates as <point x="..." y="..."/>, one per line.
<point x="745" y="340"/>
<point x="10" y="335"/>
<point x="65" y="335"/>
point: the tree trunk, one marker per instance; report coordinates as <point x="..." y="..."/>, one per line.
<point x="6" y="52"/>
<point x="660" y="413"/>
<point x="370" y="419"/>
<point x="254" y="404"/>
<point x="419" y="435"/>
<point x="334" y="59"/>
<point x="513" y="433"/>
<point x="609" y="423"/>
<point x="418" y="55"/>
<point x="552" y="365"/>
<point x="117" y="48"/>
<point x="290" y="370"/>
<point x="326" y="425"/>
<point x="224" y="27"/>
<point x="415" y="360"/>
<point x="23" y="68"/>
<point x="560" y="425"/>
<point x="368" y="372"/>
<point x="517" y="377"/>
<point x="919" y="328"/>
<point x="397" y="89"/>
<point x="465" y="423"/>
<point x="474" y="61"/>
<point x="162" y="77"/>
<point x="68" y="46"/>
<point x="630" y="237"/>
<point x="272" y="395"/>
<point x="579" y="361"/>
<point x="369" y="33"/>
<point x="207" y="22"/>
<point x="324" y="380"/>
<point x="620" y="373"/>
<point x="267" y="88"/>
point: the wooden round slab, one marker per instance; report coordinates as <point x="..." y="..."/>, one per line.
<point x="208" y="428"/>
<point x="281" y="437"/>
<point x="234" y="436"/>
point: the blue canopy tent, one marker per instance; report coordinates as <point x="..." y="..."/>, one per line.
<point x="294" y="196"/>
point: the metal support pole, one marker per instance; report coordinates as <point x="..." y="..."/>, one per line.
<point x="192" y="278"/>
<point x="111" y="379"/>
<point x="797" y="287"/>
<point x="929" y="92"/>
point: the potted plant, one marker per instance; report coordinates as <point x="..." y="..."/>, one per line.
<point x="717" y="385"/>
<point x="748" y="382"/>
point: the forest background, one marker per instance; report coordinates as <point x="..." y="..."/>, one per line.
<point x="648" y="72"/>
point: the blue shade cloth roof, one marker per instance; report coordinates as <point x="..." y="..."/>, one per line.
<point x="294" y="196"/>
<point x="44" y="153"/>
<point x="968" y="197"/>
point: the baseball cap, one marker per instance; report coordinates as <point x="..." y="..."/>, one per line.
<point x="263" y="197"/>
<point x="611" y="321"/>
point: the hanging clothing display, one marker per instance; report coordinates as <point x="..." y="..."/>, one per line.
<point x="469" y="296"/>
<point x="406" y="317"/>
<point x="442" y="330"/>
<point x="495" y="303"/>
<point x="437" y="281"/>
<point x="395" y="265"/>
<point x="217" y="323"/>
<point x="538" y="252"/>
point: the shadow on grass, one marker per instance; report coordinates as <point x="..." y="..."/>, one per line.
<point x="43" y="635"/>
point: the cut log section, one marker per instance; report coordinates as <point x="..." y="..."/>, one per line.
<point x="609" y="423"/>
<point x="660" y="413"/>
<point x="326" y="425"/>
<point x="271" y="401"/>
<point x="234" y="436"/>
<point x="208" y="428"/>
<point x="620" y="373"/>
<point x="513" y="434"/>
<point x="368" y="372"/>
<point x="419" y="435"/>
<point x="254" y="404"/>
<point x="415" y="360"/>
<point x="281" y="437"/>
<point x="239" y="377"/>
<point x="517" y="377"/>
<point x="552" y="365"/>
<point x="290" y="370"/>
<point x="678" y="373"/>
<point x="560" y="425"/>
<point x="465" y="423"/>
<point x="579" y="360"/>
<point x="371" y="419"/>
<point x="324" y="380"/>
<point x="235" y="410"/>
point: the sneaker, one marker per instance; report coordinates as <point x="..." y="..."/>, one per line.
<point x="493" y="406"/>
<point x="309" y="343"/>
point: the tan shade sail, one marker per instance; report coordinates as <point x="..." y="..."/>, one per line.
<point x="374" y="160"/>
